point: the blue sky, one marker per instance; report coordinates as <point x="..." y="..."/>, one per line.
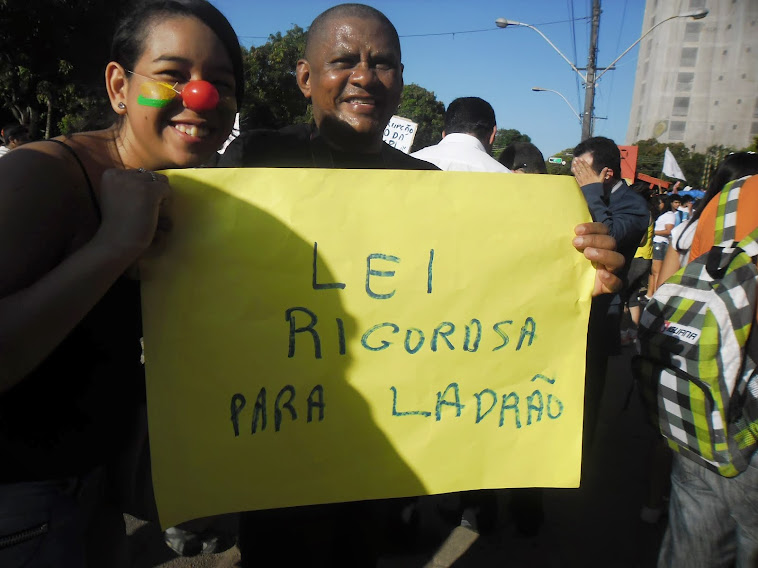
<point x="498" y="65"/>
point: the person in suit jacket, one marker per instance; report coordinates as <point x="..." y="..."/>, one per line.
<point x="597" y="169"/>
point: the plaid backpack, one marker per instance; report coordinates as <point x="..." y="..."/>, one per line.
<point x="697" y="364"/>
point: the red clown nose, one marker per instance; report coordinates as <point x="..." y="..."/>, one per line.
<point x="200" y="96"/>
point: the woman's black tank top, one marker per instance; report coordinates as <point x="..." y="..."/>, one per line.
<point x="75" y="410"/>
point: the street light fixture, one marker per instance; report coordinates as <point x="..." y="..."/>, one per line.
<point x="503" y="23"/>
<point x="590" y="79"/>
<point x="540" y="89"/>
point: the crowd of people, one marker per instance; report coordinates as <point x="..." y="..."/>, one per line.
<point x="70" y="322"/>
<point x="666" y="246"/>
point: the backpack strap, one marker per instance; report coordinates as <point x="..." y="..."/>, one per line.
<point x="725" y="247"/>
<point x="690" y="227"/>
<point x="726" y="214"/>
<point x="750" y="244"/>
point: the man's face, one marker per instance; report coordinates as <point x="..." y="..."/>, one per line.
<point x="590" y="159"/>
<point x="675" y="203"/>
<point x="587" y="157"/>
<point x="354" y="79"/>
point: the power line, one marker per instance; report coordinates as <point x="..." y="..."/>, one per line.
<point x="618" y="44"/>
<point x="485" y="30"/>
<point x="452" y="33"/>
<point x="573" y="41"/>
<point x="605" y="98"/>
<point x="444" y="33"/>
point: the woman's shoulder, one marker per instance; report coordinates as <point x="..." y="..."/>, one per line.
<point x="36" y="167"/>
<point x="68" y="161"/>
<point x="48" y="183"/>
<point x="39" y="158"/>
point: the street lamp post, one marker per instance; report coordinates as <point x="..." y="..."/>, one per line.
<point x="503" y="23"/>
<point x="540" y="90"/>
<point x="591" y="79"/>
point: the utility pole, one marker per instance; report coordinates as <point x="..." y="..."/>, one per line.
<point x="589" y="88"/>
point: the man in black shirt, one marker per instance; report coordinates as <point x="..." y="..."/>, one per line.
<point x="353" y="75"/>
<point x="305" y="146"/>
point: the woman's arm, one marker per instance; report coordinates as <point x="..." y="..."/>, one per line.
<point x="42" y="297"/>
<point x="670" y="264"/>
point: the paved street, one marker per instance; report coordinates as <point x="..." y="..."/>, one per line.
<point x="596" y="525"/>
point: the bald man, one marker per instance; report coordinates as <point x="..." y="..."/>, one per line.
<point x="352" y="74"/>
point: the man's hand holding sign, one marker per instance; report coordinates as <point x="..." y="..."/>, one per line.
<point x="593" y="240"/>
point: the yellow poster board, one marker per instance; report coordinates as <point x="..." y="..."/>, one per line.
<point x="317" y="336"/>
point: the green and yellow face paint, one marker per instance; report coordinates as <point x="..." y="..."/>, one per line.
<point x="154" y="93"/>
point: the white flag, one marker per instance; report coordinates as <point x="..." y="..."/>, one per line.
<point x="670" y="167"/>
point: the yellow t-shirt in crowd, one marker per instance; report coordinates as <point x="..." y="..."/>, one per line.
<point x="645" y="250"/>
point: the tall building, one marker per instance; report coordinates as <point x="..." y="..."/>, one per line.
<point x="696" y="80"/>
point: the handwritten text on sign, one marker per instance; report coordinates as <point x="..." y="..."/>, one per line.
<point x="317" y="336"/>
<point x="399" y="133"/>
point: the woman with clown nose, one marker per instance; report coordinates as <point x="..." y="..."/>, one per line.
<point x="77" y="212"/>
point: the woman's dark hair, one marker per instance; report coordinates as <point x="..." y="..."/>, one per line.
<point x="642" y="188"/>
<point x="132" y="30"/>
<point x="523" y="156"/>
<point x="734" y="166"/>
<point x="654" y="204"/>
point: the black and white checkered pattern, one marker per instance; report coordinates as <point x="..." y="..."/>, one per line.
<point x="695" y="365"/>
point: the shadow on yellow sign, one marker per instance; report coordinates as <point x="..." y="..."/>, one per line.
<point x="317" y="336"/>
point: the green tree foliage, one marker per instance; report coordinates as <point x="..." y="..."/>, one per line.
<point x="753" y="147"/>
<point x="561" y="169"/>
<point x="422" y="107"/>
<point x="505" y="136"/>
<point x="52" y="56"/>
<point x="650" y="160"/>
<point x="272" y="97"/>
<point x="713" y="157"/>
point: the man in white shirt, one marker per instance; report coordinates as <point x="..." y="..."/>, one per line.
<point x="466" y="144"/>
